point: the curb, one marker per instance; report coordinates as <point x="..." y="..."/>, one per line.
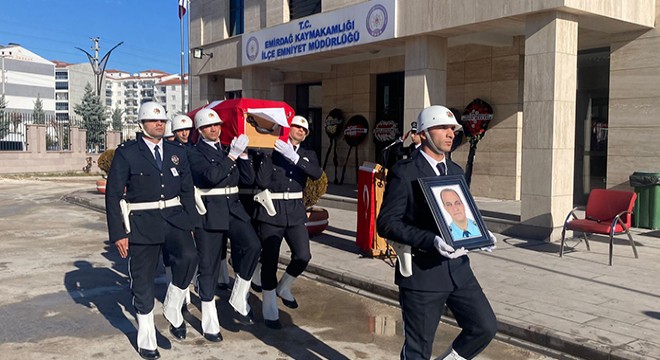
<point x="583" y="348"/>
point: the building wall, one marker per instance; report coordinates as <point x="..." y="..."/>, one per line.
<point x="634" y="124"/>
<point x="79" y="76"/>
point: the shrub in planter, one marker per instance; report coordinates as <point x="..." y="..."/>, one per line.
<point x="317" y="218"/>
<point x="104" y="162"/>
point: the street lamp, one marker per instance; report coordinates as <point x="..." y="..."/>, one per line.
<point x="198" y="53"/>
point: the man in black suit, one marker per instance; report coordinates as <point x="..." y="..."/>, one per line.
<point x="216" y="173"/>
<point x="157" y="212"/>
<point x="284" y="176"/>
<point x="434" y="274"/>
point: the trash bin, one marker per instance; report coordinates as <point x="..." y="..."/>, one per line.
<point x="647" y="206"/>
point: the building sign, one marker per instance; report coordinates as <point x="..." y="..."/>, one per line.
<point x="364" y="23"/>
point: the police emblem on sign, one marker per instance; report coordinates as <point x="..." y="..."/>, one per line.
<point x="175" y="160"/>
<point x="376" y="20"/>
<point x="252" y="48"/>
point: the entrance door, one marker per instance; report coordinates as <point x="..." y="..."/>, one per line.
<point x="389" y="106"/>
<point x="309" y="98"/>
<point x="591" y="123"/>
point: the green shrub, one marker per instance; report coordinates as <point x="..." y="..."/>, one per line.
<point x="314" y="190"/>
<point x="105" y="160"/>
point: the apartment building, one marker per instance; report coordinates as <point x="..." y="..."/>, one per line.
<point x="70" y="82"/>
<point x="24" y="76"/>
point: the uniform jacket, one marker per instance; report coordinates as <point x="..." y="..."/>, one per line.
<point x="134" y="169"/>
<point x="405" y="218"/>
<point x="214" y="169"/>
<point x="278" y="175"/>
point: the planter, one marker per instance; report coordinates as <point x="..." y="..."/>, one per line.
<point x="100" y="186"/>
<point x="317" y="220"/>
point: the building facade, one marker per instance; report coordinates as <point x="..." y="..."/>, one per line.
<point x="70" y="82"/>
<point x="572" y="84"/>
<point x="24" y="76"/>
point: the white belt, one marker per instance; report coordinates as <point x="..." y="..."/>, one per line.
<point x="286" y="195"/>
<point x="219" y="191"/>
<point x="160" y="204"/>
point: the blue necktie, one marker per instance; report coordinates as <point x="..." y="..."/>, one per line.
<point x="159" y="161"/>
<point x="466" y="234"/>
<point x="442" y="168"/>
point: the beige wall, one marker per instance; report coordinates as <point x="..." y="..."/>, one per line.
<point x="495" y="75"/>
<point x="634" y="118"/>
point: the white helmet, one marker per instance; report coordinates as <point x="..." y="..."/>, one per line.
<point x="300" y="121"/>
<point x="181" y="122"/>
<point x="206" y="117"/>
<point x="152" y="111"/>
<point x="168" y="129"/>
<point x="435" y="115"/>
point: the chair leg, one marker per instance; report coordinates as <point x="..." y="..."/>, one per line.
<point x="563" y="239"/>
<point x="586" y="241"/>
<point x="611" y="247"/>
<point x="632" y="243"/>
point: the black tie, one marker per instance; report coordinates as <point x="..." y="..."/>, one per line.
<point x="159" y="161"/>
<point x="218" y="146"/>
<point x="466" y="234"/>
<point x="442" y="168"/>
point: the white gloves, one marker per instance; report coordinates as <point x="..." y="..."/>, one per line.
<point x="238" y="146"/>
<point x="493" y="239"/>
<point x="286" y="150"/>
<point x="447" y="251"/>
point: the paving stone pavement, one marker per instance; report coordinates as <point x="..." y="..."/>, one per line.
<point x="576" y="304"/>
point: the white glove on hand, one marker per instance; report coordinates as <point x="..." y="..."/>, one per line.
<point x="447" y="251"/>
<point x="493" y="239"/>
<point x="287" y="151"/>
<point x="238" y="146"/>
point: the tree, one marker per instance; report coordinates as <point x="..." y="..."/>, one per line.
<point x="4" y="123"/>
<point x="116" y="118"/>
<point x="93" y="114"/>
<point x="38" y="114"/>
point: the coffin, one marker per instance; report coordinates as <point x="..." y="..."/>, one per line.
<point x="263" y="121"/>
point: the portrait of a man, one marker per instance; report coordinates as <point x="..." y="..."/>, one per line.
<point x="460" y="221"/>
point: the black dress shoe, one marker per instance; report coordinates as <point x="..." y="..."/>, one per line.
<point x="213" y="337"/>
<point x="291" y="304"/>
<point x="247" y="319"/>
<point x="255" y="287"/>
<point x="273" y="324"/>
<point x="149" y="354"/>
<point x="223" y="286"/>
<point x="178" y="332"/>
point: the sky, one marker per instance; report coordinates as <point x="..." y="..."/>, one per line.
<point x="150" y="30"/>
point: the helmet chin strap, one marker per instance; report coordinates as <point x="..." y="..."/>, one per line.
<point x="432" y="144"/>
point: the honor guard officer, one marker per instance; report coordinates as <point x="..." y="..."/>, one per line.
<point x="157" y="211"/>
<point x="284" y="176"/>
<point x="433" y="273"/>
<point x="169" y="136"/>
<point x="181" y="127"/>
<point x="216" y="174"/>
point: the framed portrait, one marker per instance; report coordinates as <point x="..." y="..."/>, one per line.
<point x="456" y="214"/>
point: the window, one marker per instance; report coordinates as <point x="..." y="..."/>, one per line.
<point x="108" y="102"/>
<point x="301" y="8"/>
<point x="61" y="85"/>
<point x="173" y="87"/>
<point x="61" y="106"/>
<point x="62" y="116"/>
<point x="236" y="17"/>
<point x="62" y="96"/>
<point x="61" y="75"/>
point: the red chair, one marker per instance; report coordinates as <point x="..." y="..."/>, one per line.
<point x="608" y="212"/>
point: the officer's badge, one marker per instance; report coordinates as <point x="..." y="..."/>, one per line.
<point x="175" y="160"/>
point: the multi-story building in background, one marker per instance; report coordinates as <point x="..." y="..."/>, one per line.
<point x="168" y="92"/>
<point x="26" y="76"/>
<point x="70" y="82"/>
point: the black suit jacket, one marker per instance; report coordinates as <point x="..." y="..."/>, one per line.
<point x="405" y="218"/>
<point x="278" y="175"/>
<point x="134" y="169"/>
<point x="214" y="169"/>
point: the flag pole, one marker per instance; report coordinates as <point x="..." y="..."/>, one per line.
<point x="183" y="69"/>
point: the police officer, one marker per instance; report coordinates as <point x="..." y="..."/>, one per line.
<point x="431" y="273"/>
<point x="216" y="174"/>
<point x="285" y="175"/>
<point x="158" y="211"/>
<point x="169" y="136"/>
<point x="181" y="127"/>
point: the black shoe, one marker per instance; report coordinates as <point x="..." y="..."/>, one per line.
<point x="291" y="304"/>
<point x="213" y="337"/>
<point x="223" y="286"/>
<point x="255" y="287"/>
<point x="247" y="319"/>
<point x="184" y="308"/>
<point x="149" y="354"/>
<point x="273" y="324"/>
<point x="178" y="332"/>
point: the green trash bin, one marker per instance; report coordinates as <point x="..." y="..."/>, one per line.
<point x="647" y="206"/>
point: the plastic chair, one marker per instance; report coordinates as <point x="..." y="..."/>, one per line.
<point x="608" y="212"/>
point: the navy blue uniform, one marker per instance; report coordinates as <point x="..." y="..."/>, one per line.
<point x="134" y="169"/>
<point x="435" y="280"/>
<point x="225" y="216"/>
<point x="279" y="175"/>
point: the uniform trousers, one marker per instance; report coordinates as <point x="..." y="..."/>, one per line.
<point x="143" y="263"/>
<point x="296" y="237"/>
<point x="421" y="315"/>
<point x="245" y="251"/>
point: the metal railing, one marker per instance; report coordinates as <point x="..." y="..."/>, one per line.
<point x="14" y="136"/>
